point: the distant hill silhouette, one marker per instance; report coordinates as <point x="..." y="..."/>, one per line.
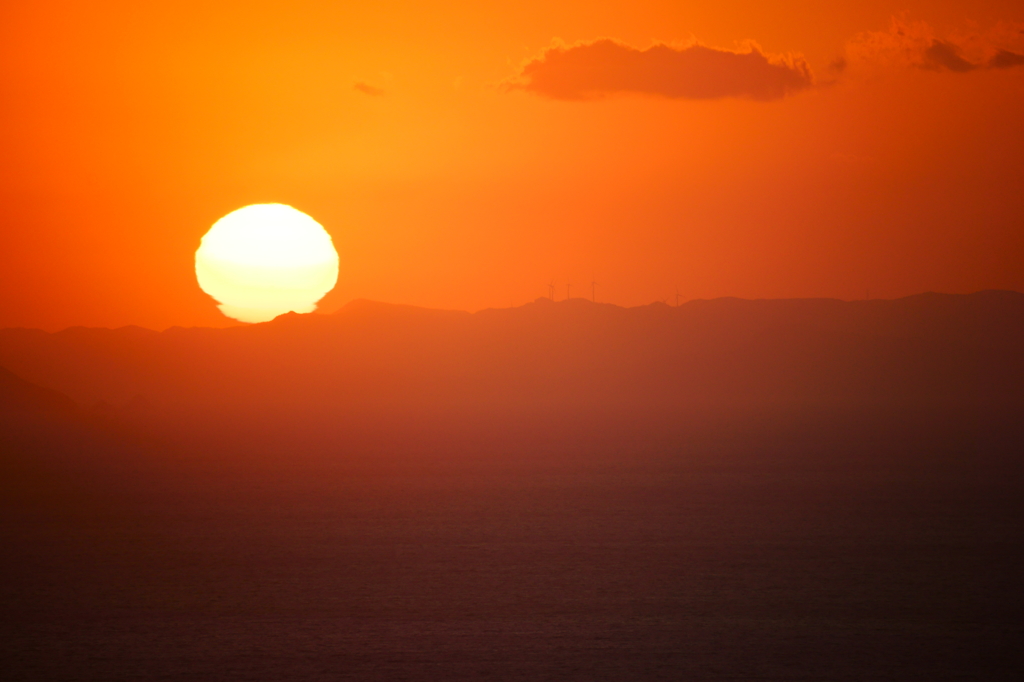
<point x="570" y="356"/>
<point x="18" y="394"/>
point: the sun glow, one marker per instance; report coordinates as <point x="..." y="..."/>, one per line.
<point x="265" y="260"/>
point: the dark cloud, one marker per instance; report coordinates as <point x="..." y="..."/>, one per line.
<point x="604" y="67"/>
<point x="1005" y="59"/>
<point x="944" y="55"/>
<point x="368" y="90"/>
<point x="916" y="44"/>
<point x="838" y="65"/>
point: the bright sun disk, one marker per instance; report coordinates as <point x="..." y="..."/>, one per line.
<point x="265" y="260"/>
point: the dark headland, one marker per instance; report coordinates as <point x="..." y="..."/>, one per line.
<point x="728" y="489"/>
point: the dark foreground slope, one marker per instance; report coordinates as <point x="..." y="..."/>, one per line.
<point x="784" y="490"/>
<point x="16" y="394"/>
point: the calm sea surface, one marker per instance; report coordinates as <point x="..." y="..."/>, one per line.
<point x="681" y="571"/>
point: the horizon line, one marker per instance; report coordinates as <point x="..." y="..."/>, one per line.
<point x="541" y="300"/>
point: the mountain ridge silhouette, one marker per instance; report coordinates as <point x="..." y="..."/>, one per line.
<point x="552" y="355"/>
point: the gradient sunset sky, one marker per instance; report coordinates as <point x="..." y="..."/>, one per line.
<point x="465" y="155"/>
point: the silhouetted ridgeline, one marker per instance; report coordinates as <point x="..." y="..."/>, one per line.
<point x="554" y="358"/>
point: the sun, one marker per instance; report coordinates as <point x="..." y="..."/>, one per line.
<point x="265" y="260"/>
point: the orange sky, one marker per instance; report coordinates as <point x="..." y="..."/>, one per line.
<point x="459" y="165"/>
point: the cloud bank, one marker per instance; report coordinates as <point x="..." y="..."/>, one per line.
<point x="606" y="67"/>
<point x="915" y="44"/>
